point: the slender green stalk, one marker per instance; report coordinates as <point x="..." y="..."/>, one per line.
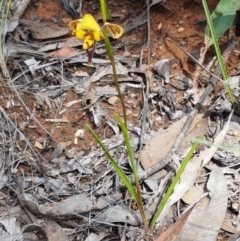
<point x="174" y="182"/>
<point x="105" y="11"/>
<point x="217" y="49"/>
<point x="108" y="45"/>
<point x="134" y="168"/>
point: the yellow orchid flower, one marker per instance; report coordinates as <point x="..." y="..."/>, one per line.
<point x="89" y="30"/>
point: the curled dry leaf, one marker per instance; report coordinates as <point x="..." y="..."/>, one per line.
<point x="164" y="68"/>
<point x="182" y="82"/>
<point x="120" y="214"/>
<point x="78" y="204"/>
<point x="40" y="31"/>
<point x="88" y="98"/>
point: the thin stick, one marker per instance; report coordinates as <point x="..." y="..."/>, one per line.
<point x="195" y="60"/>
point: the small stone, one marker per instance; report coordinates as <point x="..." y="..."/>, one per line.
<point x="79" y="134"/>
<point x="38" y="145"/>
<point x="180" y="30"/>
<point x="22" y="125"/>
<point x="128" y="112"/>
<point x="66" y="20"/>
<point x="159" y="26"/>
<point x="235" y="133"/>
<point x="126" y="53"/>
<point x="143" y="67"/>
<point x="235" y="206"/>
<point x="113" y="100"/>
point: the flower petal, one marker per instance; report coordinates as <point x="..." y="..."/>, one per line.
<point x="97" y="35"/>
<point x="80" y="33"/>
<point x="88" y="22"/>
<point x="115" y="30"/>
<point x="88" y="42"/>
<point x="73" y="24"/>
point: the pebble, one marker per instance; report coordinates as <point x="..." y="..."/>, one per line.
<point x="80" y="134"/>
<point x="38" y="145"/>
<point x="180" y="30"/>
<point x="113" y="100"/>
<point x="128" y="112"/>
<point x="66" y="20"/>
<point x="159" y="26"/>
<point x="235" y="133"/>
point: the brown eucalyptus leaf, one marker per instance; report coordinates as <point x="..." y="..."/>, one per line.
<point x="44" y="31"/>
<point x="171" y="233"/>
<point x="159" y="146"/>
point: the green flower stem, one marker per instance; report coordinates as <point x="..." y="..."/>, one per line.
<point x="105" y="11"/>
<point x="111" y="57"/>
<point x="105" y="15"/>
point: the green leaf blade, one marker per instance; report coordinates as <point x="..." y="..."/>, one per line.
<point x="228" y="6"/>
<point x="118" y="169"/>
<point x="221" y="24"/>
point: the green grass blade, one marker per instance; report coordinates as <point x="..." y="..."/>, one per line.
<point x="134" y="168"/>
<point x="128" y="145"/>
<point x="174" y="182"/>
<point x="215" y="40"/>
<point x="217" y="49"/>
<point x="118" y="169"/>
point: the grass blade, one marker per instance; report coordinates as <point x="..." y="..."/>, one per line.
<point x="174" y="182"/>
<point x="217" y="49"/>
<point x="134" y="168"/>
<point x="118" y="169"/>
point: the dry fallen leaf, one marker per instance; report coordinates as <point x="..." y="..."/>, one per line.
<point x="44" y="31"/>
<point x="174" y="229"/>
<point x="53" y="231"/>
<point x="64" y="52"/>
<point x="204" y="222"/>
<point x="160" y="145"/>
<point x="152" y="152"/>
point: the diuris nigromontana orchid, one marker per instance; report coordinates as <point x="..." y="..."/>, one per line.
<point x="90" y="31"/>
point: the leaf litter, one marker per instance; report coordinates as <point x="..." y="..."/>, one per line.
<point x="56" y="183"/>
